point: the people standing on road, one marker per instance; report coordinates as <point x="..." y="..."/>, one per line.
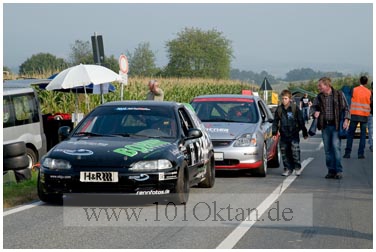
<point x="360" y="109"/>
<point x="288" y="121"/>
<point x="155" y="93"/>
<point x="370" y="122"/>
<point x="328" y="105"/>
<point x="305" y="103"/>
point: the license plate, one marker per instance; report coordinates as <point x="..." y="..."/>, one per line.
<point x="218" y="156"/>
<point x="99" y="177"/>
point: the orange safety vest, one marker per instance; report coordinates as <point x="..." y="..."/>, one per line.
<point x="360" y="101"/>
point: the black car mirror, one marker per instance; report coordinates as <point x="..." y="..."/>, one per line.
<point x="64" y="132"/>
<point x="194" y="133"/>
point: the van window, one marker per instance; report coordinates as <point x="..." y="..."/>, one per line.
<point x="19" y="110"/>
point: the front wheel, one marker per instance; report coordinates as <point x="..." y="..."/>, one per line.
<point x="181" y="192"/>
<point x="209" y="176"/>
<point x="261" y="170"/>
<point x="32" y="157"/>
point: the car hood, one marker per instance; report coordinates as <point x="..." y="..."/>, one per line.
<point x="225" y="130"/>
<point x="112" y="151"/>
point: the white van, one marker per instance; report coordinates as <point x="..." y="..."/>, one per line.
<point x="22" y="119"/>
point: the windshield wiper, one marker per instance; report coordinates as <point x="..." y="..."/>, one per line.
<point x="218" y="120"/>
<point x="121" y="134"/>
<point x="149" y="136"/>
<point x="92" y="134"/>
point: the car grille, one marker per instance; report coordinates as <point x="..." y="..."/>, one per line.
<point x="222" y="143"/>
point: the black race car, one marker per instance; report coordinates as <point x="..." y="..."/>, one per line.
<point x="132" y="147"/>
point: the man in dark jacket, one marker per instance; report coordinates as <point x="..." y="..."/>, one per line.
<point x="329" y="105"/>
<point x="288" y="120"/>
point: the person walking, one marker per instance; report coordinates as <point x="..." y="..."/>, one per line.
<point x="305" y="103"/>
<point x="360" y="109"/>
<point x="370" y="122"/>
<point x="155" y="93"/>
<point x="328" y="105"/>
<point x="288" y="120"/>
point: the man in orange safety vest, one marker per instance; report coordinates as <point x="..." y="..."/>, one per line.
<point x="360" y="110"/>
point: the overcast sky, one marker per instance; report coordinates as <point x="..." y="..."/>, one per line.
<point x="272" y="37"/>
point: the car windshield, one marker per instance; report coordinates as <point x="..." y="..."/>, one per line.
<point x="226" y="111"/>
<point x="129" y="121"/>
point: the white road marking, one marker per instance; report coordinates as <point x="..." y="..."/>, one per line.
<point x="232" y="239"/>
<point x="22" y="208"/>
<point x="320" y="146"/>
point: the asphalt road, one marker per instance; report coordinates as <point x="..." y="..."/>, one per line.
<point x="240" y="211"/>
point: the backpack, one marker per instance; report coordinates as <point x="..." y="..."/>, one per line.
<point x="347" y="91"/>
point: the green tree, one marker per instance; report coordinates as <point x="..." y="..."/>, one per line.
<point x="142" y="61"/>
<point x="111" y="63"/>
<point x="197" y="53"/>
<point x="42" y="63"/>
<point x="7" y="69"/>
<point x="81" y="53"/>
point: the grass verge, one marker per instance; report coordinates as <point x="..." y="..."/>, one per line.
<point x="19" y="193"/>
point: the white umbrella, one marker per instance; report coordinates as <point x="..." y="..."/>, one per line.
<point x="82" y="75"/>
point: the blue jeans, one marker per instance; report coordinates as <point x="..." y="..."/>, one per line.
<point x="350" y="137"/>
<point x="332" y="147"/>
<point x="306" y="113"/>
<point x="370" y="131"/>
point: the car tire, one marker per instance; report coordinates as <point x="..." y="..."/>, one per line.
<point x="24" y="174"/>
<point x="261" y="170"/>
<point x="277" y="159"/>
<point x="32" y="157"/>
<point x="210" y="175"/>
<point x="48" y="198"/>
<point x="14" y="149"/>
<point x="16" y="163"/>
<point x="180" y="194"/>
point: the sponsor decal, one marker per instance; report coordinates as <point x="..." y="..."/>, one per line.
<point x="60" y="177"/>
<point x="175" y="152"/>
<point x="153" y="192"/>
<point x="218" y="130"/>
<point x="141" y="177"/>
<point x="79" y="152"/>
<point x="141" y="147"/>
<point x="130" y="108"/>
<point x="168" y="175"/>
<point x="87" y="143"/>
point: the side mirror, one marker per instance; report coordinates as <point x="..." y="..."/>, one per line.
<point x="194" y="133"/>
<point x="63" y="132"/>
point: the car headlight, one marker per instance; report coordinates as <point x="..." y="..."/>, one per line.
<point x="246" y="140"/>
<point x="56" y="164"/>
<point x="160" y="164"/>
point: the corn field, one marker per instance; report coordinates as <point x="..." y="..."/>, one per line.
<point x="175" y="89"/>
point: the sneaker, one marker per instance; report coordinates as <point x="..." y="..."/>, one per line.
<point x="330" y="175"/>
<point x="347" y="155"/>
<point x="338" y="175"/>
<point x="361" y="157"/>
<point x="298" y="172"/>
<point x="286" y="173"/>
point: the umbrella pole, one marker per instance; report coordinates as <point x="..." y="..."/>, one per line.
<point x="87" y="100"/>
<point x="102" y="96"/>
